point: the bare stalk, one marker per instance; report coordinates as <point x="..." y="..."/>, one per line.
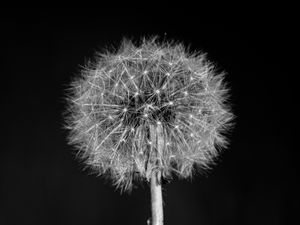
<point x="156" y="190"/>
<point x="156" y="199"/>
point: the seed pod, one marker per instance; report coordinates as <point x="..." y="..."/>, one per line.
<point x="120" y="101"/>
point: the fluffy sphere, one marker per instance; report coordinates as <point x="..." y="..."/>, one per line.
<point x="146" y="107"/>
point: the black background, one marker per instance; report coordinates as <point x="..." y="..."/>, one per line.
<point x="42" y="182"/>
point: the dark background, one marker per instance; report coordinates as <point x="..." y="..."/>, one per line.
<point x="42" y="182"/>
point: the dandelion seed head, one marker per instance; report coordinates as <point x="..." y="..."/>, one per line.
<point x="118" y="100"/>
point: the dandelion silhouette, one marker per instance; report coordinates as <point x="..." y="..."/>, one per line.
<point x="146" y="112"/>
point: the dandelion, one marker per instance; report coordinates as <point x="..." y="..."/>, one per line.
<point x="148" y="111"/>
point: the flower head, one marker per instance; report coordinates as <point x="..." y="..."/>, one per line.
<point x="126" y="99"/>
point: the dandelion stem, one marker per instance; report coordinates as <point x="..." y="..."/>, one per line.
<point x="156" y="199"/>
<point x="156" y="134"/>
